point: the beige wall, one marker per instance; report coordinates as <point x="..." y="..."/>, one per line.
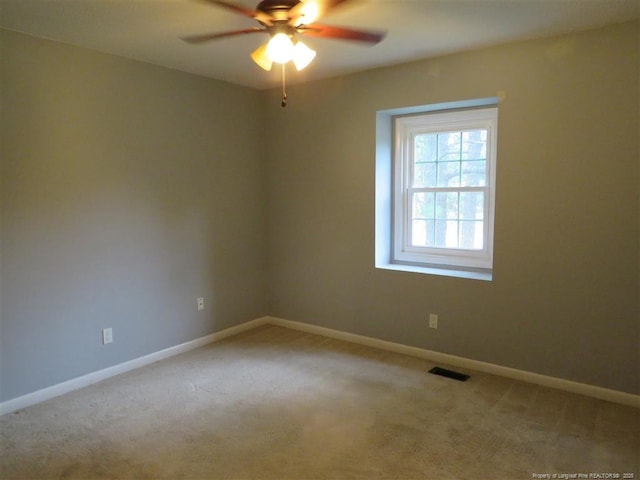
<point x="565" y="296"/>
<point x="128" y="191"/>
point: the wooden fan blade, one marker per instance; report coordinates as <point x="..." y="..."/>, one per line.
<point x="260" y="16"/>
<point x="329" y="31"/>
<point x="320" y="8"/>
<point x="214" y="36"/>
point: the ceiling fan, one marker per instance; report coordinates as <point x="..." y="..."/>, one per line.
<point x="285" y="21"/>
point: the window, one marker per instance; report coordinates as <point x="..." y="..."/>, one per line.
<point x="444" y="166"/>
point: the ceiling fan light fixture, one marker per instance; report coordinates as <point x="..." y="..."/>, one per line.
<point x="285" y="21"/>
<point x="261" y="57"/>
<point x="280" y="48"/>
<point x="302" y="55"/>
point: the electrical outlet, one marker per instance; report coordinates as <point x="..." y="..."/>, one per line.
<point x="107" y="335"/>
<point x="200" y="303"/>
<point x="433" y="320"/>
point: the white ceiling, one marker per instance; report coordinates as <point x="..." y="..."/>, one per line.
<point x="149" y="30"/>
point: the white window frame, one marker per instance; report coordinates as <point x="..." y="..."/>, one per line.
<point x="405" y="129"/>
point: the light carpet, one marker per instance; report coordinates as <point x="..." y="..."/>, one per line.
<point x="274" y="403"/>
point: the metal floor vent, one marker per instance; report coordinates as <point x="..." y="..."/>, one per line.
<point x="449" y="374"/>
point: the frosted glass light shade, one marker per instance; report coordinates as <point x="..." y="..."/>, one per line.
<point x="280" y="48"/>
<point x="261" y="57"/>
<point x="302" y="55"/>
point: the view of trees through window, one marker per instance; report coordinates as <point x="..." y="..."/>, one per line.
<point x="448" y="179"/>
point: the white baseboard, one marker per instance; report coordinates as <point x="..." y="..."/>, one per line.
<point x="95" y="377"/>
<point x="38" y="396"/>
<point x="601" y="393"/>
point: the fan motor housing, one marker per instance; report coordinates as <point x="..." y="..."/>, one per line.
<point x="277" y="8"/>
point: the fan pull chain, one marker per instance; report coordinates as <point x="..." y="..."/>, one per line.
<point x="284" y="92"/>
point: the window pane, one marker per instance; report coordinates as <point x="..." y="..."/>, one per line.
<point x="422" y="215"/>
<point x="446" y="234"/>
<point x="471" y="205"/>
<point x="473" y="173"/>
<point x="425" y="156"/>
<point x="472" y="234"/>
<point x="419" y="233"/>
<point x="426" y="147"/>
<point x="424" y="174"/>
<point x="430" y="205"/>
<point x="423" y="233"/>
<point x="446" y="205"/>
<point x="448" y="174"/>
<point x="422" y="205"/>
<point x="474" y="145"/>
<point x="431" y="233"/>
<point x="449" y="146"/>
<point x="452" y="234"/>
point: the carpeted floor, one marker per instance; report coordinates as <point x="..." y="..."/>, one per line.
<point x="274" y="403"/>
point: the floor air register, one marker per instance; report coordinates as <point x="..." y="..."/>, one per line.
<point x="449" y="374"/>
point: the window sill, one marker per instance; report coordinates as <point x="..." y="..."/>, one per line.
<point x="442" y="271"/>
